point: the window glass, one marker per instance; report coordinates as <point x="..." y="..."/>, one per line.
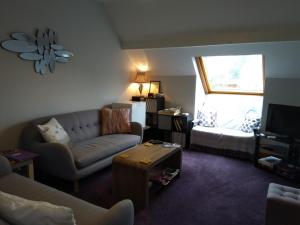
<point x="233" y="74"/>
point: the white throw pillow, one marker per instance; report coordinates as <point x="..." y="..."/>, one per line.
<point x="251" y="121"/>
<point x="20" y="211"/>
<point x="53" y="132"/>
<point x="207" y="116"/>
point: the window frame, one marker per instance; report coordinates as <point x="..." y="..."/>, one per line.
<point x="206" y="85"/>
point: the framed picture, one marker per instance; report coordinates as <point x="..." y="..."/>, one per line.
<point x="154" y="87"/>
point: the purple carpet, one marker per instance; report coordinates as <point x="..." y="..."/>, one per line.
<point x="213" y="190"/>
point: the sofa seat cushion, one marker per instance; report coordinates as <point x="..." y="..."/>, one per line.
<point x="223" y="138"/>
<point x="90" y="151"/>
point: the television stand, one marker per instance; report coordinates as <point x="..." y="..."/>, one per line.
<point x="269" y="148"/>
<point x="280" y="138"/>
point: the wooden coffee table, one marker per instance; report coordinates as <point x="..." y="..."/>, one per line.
<point x="131" y="171"/>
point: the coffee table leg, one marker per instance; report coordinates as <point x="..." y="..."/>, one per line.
<point x="30" y="170"/>
<point x="174" y="161"/>
<point x="132" y="183"/>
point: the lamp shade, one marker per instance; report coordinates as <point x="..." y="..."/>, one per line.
<point x="140" y="77"/>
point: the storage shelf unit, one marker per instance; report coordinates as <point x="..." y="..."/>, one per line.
<point x="282" y="148"/>
<point x="176" y="129"/>
<point x="153" y="105"/>
<point x="270" y="146"/>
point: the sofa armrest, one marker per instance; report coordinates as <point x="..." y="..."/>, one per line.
<point x="137" y="129"/>
<point x="121" y="213"/>
<point x="5" y="167"/>
<point x="3" y="222"/>
<point x="55" y="159"/>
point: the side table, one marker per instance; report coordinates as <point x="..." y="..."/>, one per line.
<point x="21" y="159"/>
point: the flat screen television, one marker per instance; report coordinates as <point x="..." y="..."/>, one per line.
<point x="283" y="120"/>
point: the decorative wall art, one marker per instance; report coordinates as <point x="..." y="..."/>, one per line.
<point x="42" y="49"/>
<point x="154" y="87"/>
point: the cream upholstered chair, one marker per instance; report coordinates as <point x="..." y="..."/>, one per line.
<point x="283" y="205"/>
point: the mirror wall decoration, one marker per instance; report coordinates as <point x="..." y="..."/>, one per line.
<point x="43" y="49"/>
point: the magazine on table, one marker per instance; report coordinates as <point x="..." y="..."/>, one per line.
<point x="19" y="155"/>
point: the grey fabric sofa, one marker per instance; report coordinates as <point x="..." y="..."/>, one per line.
<point x="85" y="213"/>
<point x="89" y="150"/>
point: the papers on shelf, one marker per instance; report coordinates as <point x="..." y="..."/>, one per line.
<point x="171" y="145"/>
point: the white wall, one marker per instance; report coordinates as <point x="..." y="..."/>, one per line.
<point x="96" y="75"/>
<point x="281" y="91"/>
<point x="179" y="91"/>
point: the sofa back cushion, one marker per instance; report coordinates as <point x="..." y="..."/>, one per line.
<point x="80" y="126"/>
<point x="115" y="121"/>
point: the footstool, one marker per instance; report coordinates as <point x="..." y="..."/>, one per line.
<point x="283" y="205"/>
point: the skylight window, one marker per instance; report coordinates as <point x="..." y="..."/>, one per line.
<point x="238" y="74"/>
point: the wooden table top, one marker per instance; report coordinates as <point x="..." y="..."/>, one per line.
<point x="145" y="156"/>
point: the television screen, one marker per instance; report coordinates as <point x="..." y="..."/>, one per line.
<point x="283" y="120"/>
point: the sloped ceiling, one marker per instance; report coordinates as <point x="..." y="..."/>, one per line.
<point x="280" y="58"/>
<point x="177" y="23"/>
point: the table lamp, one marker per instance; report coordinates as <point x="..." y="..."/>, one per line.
<point x="140" y="79"/>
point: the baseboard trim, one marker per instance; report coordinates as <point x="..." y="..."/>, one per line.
<point x="223" y="152"/>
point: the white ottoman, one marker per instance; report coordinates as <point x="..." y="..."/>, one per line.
<point x="283" y="205"/>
